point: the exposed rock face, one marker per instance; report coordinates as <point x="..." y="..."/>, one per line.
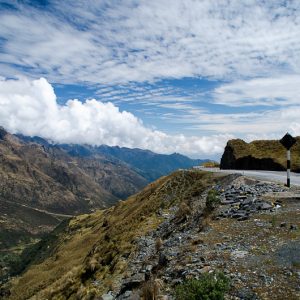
<point x="259" y="155"/>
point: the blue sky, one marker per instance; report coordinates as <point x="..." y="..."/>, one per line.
<point x="165" y="75"/>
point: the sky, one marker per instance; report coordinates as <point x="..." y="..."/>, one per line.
<point x="166" y="75"/>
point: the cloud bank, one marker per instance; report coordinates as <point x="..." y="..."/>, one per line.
<point x="30" y="107"/>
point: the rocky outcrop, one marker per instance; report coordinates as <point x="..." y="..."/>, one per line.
<point x="259" y="155"/>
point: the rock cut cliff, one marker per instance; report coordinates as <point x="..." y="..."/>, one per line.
<point x="259" y="155"/>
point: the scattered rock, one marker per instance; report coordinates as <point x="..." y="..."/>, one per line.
<point x="242" y="201"/>
<point x="163" y="260"/>
<point x="289" y="254"/>
<point x="129" y="295"/>
<point x="187" y="253"/>
<point x="293" y="227"/>
<point x="238" y="254"/>
<point x="246" y="294"/>
<point x="108" y="296"/>
<point x="205" y="269"/>
<point x="265" y="206"/>
<point x="132" y="282"/>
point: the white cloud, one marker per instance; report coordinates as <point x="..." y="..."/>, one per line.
<point x="30" y="107"/>
<point x="113" y="41"/>
<point x="253" y="45"/>
<point x="249" y="126"/>
<point x="281" y="91"/>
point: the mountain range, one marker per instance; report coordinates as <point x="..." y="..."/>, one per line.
<point x="146" y="163"/>
<point x="191" y="232"/>
<point x="42" y="184"/>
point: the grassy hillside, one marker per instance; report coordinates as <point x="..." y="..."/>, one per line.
<point x="53" y="182"/>
<point x="172" y="231"/>
<point x="95" y="247"/>
<point x="261" y="154"/>
<point x="41" y="185"/>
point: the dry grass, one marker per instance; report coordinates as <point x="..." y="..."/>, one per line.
<point x="211" y="164"/>
<point x="94" y="246"/>
<point x="158" y="244"/>
<point x="151" y="289"/>
<point x="266" y="149"/>
<point x="183" y="212"/>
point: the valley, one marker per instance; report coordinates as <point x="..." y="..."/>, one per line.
<point x="149" y="150"/>
<point x="42" y="184"/>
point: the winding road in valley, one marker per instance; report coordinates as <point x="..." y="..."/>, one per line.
<point x="275" y="176"/>
<point x="38" y="210"/>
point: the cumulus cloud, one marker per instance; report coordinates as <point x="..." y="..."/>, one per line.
<point x="249" y="49"/>
<point x="30" y="107"/>
<point x="122" y="41"/>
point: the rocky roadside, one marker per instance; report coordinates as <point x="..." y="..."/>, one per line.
<point x="253" y="237"/>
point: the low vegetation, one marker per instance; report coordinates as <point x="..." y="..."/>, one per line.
<point x="95" y="247"/>
<point x="212" y="200"/>
<point x="151" y="289"/>
<point x="211" y="164"/>
<point x="211" y="286"/>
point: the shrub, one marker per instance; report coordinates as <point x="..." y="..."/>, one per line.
<point x="182" y="212"/>
<point x="212" y="200"/>
<point x="151" y="289"/>
<point x="208" y="287"/>
<point x="211" y="164"/>
<point x="158" y="244"/>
